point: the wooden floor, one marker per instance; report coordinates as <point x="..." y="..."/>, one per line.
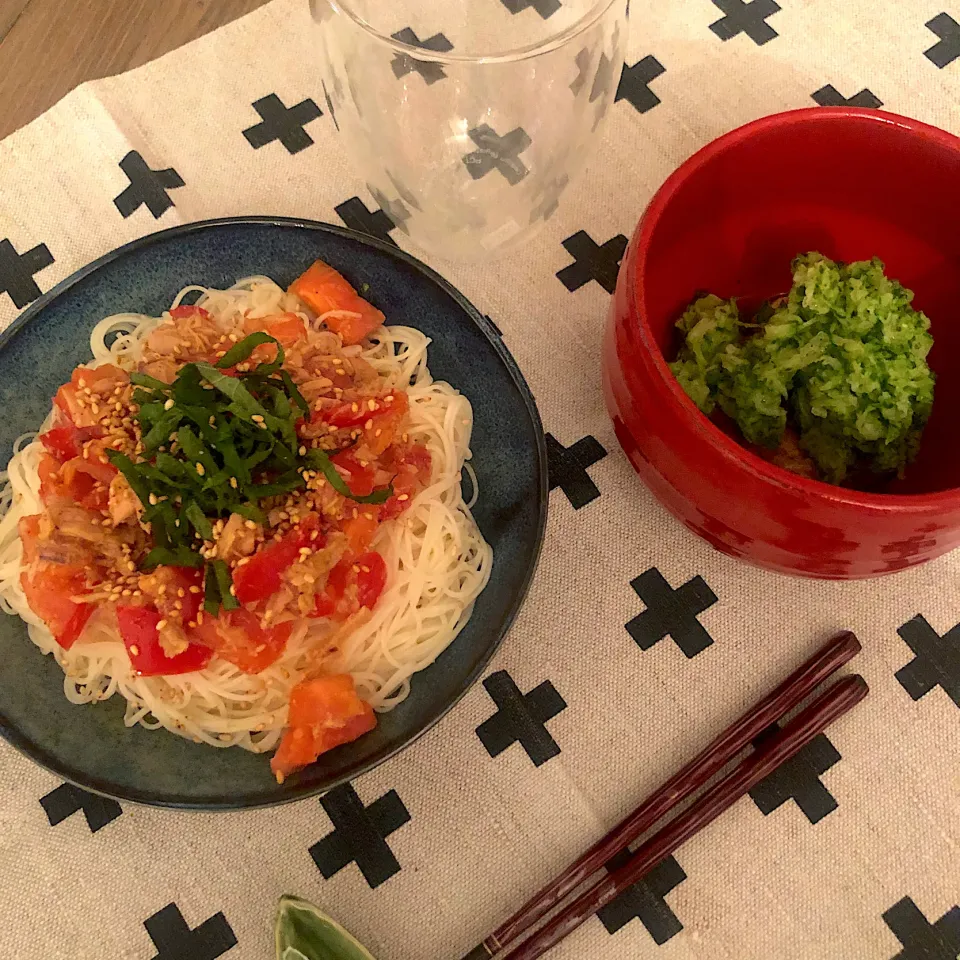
<point x="47" y="47"/>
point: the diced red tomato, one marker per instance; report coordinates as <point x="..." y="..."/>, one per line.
<point x="352" y="584"/>
<point x="86" y="482"/>
<point x="360" y="530"/>
<point x="138" y="629"/>
<point x="237" y="636"/>
<point x="323" y="289"/>
<point x="62" y="442"/>
<point x="371" y="579"/>
<point x="67" y="397"/>
<point x="48" y="590"/>
<point x="76" y="480"/>
<point x="288" y="328"/>
<point x="29" y="530"/>
<point x="359" y="476"/>
<point x="167" y="586"/>
<point x="413" y="473"/>
<point x="49" y="473"/>
<point x="324" y="713"/>
<point x="330" y="601"/>
<point x="259" y="578"/>
<point x="341" y="415"/>
<point x="95" y="463"/>
<point x="188" y="310"/>
<point x="325" y="605"/>
<point x="380" y="431"/>
<point x="353" y="413"/>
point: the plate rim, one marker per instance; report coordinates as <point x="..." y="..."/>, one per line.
<point x="295" y="792"/>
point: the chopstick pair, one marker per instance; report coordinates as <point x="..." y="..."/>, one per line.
<point x="753" y="768"/>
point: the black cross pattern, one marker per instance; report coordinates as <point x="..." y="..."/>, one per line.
<point x="634" y="86"/>
<point x="798" y="779"/>
<point x="497" y="153"/>
<point x="403" y="63"/>
<point x="567" y="468"/>
<point x="671" y="612"/>
<point x="521" y="718"/>
<point x="356" y="216"/>
<point x="282" y="123"/>
<point x="936" y="662"/>
<point x="948" y="49"/>
<point x="830" y="96"/>
<point x="360" y="834"/>
<point x="546" y="8"/>
<point x="394" y="209"/>
<point x="329" y="102"/>
<point x="746" y="16"/>
<point x="67" y="799"/>
<point x="921" y="939"/>
<point x="582" y="61"/>
<point x="174" y="940"/>
<point x="603" y="79"/>
<point x="17" y="270"/>
<point x="645" y="900"/>
<point x="549" y="198"/>
<point x="592" y="262"/>
<point x="146" y="187"/>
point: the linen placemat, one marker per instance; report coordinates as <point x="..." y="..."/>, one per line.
<point x="619" y="673"/>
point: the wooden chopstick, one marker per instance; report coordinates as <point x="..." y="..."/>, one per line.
<point x="691" y="778"/>
<point x="792" y="738"/>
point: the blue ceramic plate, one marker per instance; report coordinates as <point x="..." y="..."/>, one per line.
<point x="89" y="744"/>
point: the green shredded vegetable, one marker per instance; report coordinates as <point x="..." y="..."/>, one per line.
<point x="843" y="357"/>
<point x="214" y="445"/>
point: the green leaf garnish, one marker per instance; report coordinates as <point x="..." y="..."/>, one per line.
<point x="224" y="583"/>
<point x="216" y="444"/>
<point x="145" y="380"/>
<point x="319" y="460"/>
<point x="241" y="351"/>
<point x="301" y="930"/>
<point x="211" y="591"/>
<point x="180" y="557"/>
<point x="200" y="523"/>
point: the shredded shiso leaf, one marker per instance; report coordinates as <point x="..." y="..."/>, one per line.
<point x="843" y="357"/>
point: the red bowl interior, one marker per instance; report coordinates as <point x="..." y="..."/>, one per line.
<point x="851" y="184"/>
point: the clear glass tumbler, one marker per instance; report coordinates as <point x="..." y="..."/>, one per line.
<point x="469" y="118"/>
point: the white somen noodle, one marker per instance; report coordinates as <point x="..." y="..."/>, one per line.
<point x="436" y="558"/>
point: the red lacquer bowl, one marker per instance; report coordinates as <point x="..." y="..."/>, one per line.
<point x="851" y="184"/>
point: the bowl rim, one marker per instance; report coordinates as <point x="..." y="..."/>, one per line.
<point x="293" y="791"/>
<point x="919" y="503"/>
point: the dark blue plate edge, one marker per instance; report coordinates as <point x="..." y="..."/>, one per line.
<point x="294" y="792"/>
